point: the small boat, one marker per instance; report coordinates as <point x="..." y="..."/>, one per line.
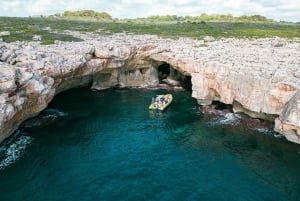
<point x="161" y="102"/>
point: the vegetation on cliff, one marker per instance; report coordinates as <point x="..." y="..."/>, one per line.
<point x="85" y="14"/>
<point x="53" y="27"/>
<point x="207" y="18"/>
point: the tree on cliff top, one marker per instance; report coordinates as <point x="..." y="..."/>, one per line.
<point x="88" y="14"/>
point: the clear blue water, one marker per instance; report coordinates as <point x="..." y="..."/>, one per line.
<point x="107" y="146"/>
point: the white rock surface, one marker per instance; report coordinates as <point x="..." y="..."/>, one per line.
<point x="257" y="76"/>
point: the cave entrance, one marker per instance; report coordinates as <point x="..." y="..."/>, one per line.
<point x="163" y="71"/>
<point x="169" y="75"/>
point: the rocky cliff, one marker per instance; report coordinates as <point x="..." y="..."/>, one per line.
<point x="259" y="77"/>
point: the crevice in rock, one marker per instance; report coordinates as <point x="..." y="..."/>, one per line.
<point x="222" y="106"/>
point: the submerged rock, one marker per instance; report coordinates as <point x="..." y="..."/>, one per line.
<point x="227" y="117"/>
<point x="45" y="118"/>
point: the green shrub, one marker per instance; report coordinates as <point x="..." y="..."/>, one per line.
<point x="26" y="28"/>
<point x="87" y="13"/>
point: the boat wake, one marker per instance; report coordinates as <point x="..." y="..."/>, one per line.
<point x="13" y="149"/>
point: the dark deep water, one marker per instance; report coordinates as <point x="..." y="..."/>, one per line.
<point x="107" y="146"/>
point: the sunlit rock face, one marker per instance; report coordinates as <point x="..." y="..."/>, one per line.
<point x="288" y="122"/>
<point x="23" y="94"/>
<point x="256" y="76"/>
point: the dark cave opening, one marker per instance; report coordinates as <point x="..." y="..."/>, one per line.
<point x="171" y="76"/>
<point x="163" y="71"/>
<point x="187" y="83"/>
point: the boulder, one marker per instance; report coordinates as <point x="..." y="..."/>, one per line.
<point x="37" y="38"/>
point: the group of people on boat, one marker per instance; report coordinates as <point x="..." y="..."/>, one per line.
<point x="159" y="101"/>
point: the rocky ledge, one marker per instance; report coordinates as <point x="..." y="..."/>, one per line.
<point x="259" y="77"/>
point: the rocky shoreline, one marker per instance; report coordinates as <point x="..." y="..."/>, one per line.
<point x="259" y="77"/>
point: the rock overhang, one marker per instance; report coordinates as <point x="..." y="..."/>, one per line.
<point x="260" y="77"/>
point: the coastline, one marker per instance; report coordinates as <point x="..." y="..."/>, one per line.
<point x="259" y="77"/>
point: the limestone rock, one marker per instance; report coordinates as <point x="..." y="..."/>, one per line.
<point x="105" y="80"/>
<point x="209" y="38"/>
<point x="255" y="76"/>
<point x="7" y="81"/>
<point x="288" y="122"/>
<point x="37" y="38"/>
<point x="102" y="54"/>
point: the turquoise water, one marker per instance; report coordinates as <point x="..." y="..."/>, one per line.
<point x="107" y="146"/>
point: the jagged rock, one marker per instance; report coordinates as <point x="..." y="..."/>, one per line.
<point x="171" y="81"/>
<point x="7" y="81"/>
<point x="37" y="38"/>
<point x="254" y="76"/>
<point x="209" y="38"/>
<point x="102" y="54"/>
<point x="6" y="55"/>
<point x="105" y="80"/>
<point x="288" y="122"/>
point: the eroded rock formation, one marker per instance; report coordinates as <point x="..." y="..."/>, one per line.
<point x="258" y="77"/>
